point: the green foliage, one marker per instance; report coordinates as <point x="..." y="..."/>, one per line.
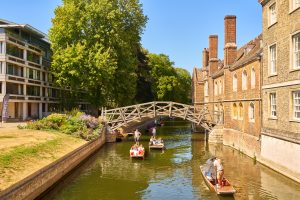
<point x="77" y="124"/>
<point x="168" y="83"/>
<point x="94" y="47"/>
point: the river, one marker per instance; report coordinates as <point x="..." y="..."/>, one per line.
<point x="170" y="174"/>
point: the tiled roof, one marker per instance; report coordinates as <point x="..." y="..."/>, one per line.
<point x="247" y="53"/>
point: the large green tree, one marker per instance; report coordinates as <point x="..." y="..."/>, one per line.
<point x="168" y="83"/>
<point x="94" y="44"/>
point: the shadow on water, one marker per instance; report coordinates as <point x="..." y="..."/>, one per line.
<point x="170" y="174"/>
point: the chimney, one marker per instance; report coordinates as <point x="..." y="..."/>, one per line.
<point x="213" y="54"/>
<point x="205" y="57"/>
<point x="230" y="49"/>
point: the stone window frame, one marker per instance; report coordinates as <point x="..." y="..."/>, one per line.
<point x="241" y="111"/>
<point x="220" y="87"/>
<point x="294" y="111"/>
<point x="292" y="53"/>
<point x="251" y="112"/>
<point x="272" y="72"/>
<point x="244" y="80"/>
<point x="272" y="21"/>
<point x="205" y="88"/>
<point x="216" y="88"/>
<point x="234" y="111"/>
<point x="294" y="5"/>
<point x="273" y="105"/>
<point x="234" y="82"/>
<point x="253" y="78"/>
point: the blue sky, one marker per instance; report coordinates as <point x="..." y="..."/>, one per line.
<point x="177" y="28"/>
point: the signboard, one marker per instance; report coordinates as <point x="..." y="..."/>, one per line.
<point x="5" y="108"/>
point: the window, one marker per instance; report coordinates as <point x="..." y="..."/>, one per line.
<point x="234" y="83"/>
<point x="272" y="57"/>
<point x="33" y="74"/>
<point x="216" y="88"/>
<point x="273" y="105"/>
<point x="241" y="111"/>
<point x="14" y="51"/>
<point x="32" y="57"/>
<point x="296" y="104"/>
<point x="244" y="80"/>
<point x="251" y="112"/>
<point x="205" y="88"/>
<point x="295" y="4"/>
<point x="234" y="111"/>
<point x="272" y="14"/>
<point x="14" y="70"/>
<point x="253" y="78"/>
<point x="1" y="63"/>
<point x="33" y="90"/>
<point x="1" y="47"/>
<point x="220" y="87"/>
<point x="296" y="51"/>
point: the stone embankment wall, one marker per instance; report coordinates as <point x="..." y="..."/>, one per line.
<point x="248" y="144"/>
<point x="37" y="183"/>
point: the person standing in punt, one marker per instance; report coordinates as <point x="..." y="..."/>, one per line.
<point x="220" y="171"/>
<point x="137" y="135"/>
<point x="154" y="132"/>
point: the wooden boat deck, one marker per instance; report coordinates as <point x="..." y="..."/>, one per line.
<point x="224" y="190"/>
<point x="139" y="155"/>
<point x="156" y="146"/>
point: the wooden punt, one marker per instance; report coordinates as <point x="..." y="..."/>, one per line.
<point x="159" y="145"/>
<point x="227" y="189"/>
<point x="137" y="154"/>
<point x="156" y="146"/>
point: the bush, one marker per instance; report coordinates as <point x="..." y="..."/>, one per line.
<point x="74" y="123"/>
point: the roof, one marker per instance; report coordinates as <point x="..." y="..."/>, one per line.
<point x="7" y="24"/>
<point x="248" y="53"/>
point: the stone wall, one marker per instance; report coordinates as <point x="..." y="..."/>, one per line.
<point x="243" y="142"/>
<point x="285" y="159"/>
<point x="37" y="183"/>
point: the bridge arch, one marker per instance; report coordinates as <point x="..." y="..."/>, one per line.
<point x="119" y="117"/>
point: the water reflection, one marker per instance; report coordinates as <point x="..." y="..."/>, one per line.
<point x="172" y="174"/>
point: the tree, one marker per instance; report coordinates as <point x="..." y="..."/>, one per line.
<point x="94" y="44"/>
<point x="144" y="82"/>
<point x="169" y="83"/>
<point x="183" y="89"/>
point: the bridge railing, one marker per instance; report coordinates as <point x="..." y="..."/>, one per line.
<point x="119" y="117"/>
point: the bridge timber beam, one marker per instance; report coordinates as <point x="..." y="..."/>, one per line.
<point x="120" y="117"/>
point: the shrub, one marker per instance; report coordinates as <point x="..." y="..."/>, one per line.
<point x="75" y="123"/>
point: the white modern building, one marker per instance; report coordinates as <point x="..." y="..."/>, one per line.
<point x="25" y="58"/>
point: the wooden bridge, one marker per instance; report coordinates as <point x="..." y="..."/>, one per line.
<point x="120" y="117"/>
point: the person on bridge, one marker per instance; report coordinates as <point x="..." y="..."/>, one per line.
<point x="137" y="135"/>
<point x="154" y="132"/>
<point x="220" y="171"/>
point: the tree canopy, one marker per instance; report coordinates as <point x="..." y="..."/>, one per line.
<point x="94" y="44"/>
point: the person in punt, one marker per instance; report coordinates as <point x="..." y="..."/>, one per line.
<point x="220" y="171"/>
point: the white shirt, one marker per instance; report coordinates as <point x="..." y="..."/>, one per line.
<point x="137" y="133"/>
<point x="218" y="165"/>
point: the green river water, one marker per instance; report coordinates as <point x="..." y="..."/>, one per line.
<point x="172" y="174"/>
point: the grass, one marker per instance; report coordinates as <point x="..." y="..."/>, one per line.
<point x="25" y="151"/>
<point x="19" y="153"/>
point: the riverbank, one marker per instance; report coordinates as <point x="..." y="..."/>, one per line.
<point x="25" y="151"/>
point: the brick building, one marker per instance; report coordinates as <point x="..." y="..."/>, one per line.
<point x="281" y="86"/>
<point x="231" y="87"/>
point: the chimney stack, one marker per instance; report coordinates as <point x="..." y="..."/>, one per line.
<point x="205" y="57"/>
<point x="230" y="49"/>
<point x="213" y="54"/>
